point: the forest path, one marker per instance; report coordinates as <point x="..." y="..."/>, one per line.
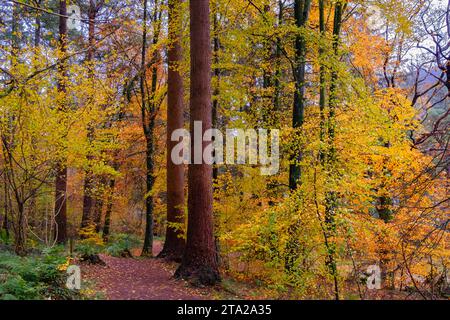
<point x="139" y="279"/>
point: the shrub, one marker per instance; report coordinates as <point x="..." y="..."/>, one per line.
<point x="121" y="245"/>
<point x="34" y="277"/>
<point x="91" y="243"/>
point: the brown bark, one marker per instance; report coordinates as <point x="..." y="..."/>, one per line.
<point x="174" y="243"/>
<point x="331" y="197"/>
<point x="61" y="172"/>
<point x="199" y="262"/>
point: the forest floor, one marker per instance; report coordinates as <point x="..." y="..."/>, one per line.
<point x="140" y="279"/>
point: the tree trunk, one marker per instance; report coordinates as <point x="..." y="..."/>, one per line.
<point x="278" y="71"/>
<point x="109" y="205"/>
<point x="37" y="21"/>
<point x="61" y="172"/>
<point x="88" y="194"/>
<point x="216" y="125"/>
<point x="322" y="79"/>
<point x="147" y="249"/>
<point x="174" y="243"/>
<point x="331" y="197"/>
<point x="199" y="262"/>
<point x="217" y="72"/>
<point x="301" y="9"/>
<point x="97" y="213"/>
<point x="88" y="201"/>
<point x="5" y="224"/>
<point x="148" y="110"/>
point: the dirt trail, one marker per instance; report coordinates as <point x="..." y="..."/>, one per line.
<point x="139" y="279"/>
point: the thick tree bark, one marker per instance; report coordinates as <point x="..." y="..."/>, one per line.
<point x="175" y="242"/>
<point x="61" y="172"/>
<point x="199" y="262"/>
<point x="301" y="10"/>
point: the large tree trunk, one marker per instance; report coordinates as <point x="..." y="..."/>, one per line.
<point x="61" y="172"/>
<point x="199" y="262"/>
<point x="109" y="205"/>
<point x="174" y="244"/>
<point x="301" y="10"/>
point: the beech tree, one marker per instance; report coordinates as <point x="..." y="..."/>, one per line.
<point x="61" y="170"/>
<point x="175" y="242"/>
<point x="199" y="263"/>
<point x="357" y="90"/>
<point x="301" y="13"/>
<point x="89" y="180"/>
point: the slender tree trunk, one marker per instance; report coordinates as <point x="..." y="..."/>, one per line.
<point x="149" y="182"/>
<point x="199" y="262"/>
<point x="322" y="78"/>
<point x="175" y="242"/>
<point x="97" y="213"/>
<point x="14" y="32"/>
<point x="148" y="110"/>
<point x="278" y="71"/>
<point x="20" y="234"/>
<point x="89" y="183"/>
<point x="331" y="196"/>
<point x="217" y="72"/>
<point x="216" y="123"/>
<point x="5" y="225"/>
<point x="61" y="172"/>
<point x="301" y="10"/>
<point x="109" y="205"/>
<point x="37" y="21"/>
